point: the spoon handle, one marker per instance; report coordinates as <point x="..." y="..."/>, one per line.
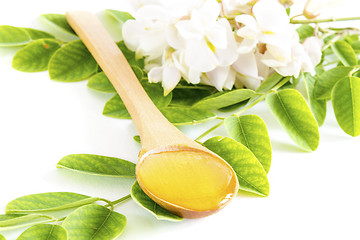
<point x="154" y="129"/>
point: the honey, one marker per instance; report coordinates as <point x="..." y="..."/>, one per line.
<point x="191" y="179"/>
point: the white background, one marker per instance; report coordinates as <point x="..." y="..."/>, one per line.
<point x="313" y="195"/>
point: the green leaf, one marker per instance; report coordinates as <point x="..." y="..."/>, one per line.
<point x="98" y="165"/>
<point x="94" y="222"/>
<point x="346" y="104"/>
<point x="101" y="83"/>
<point x="72" y="63"/>
<point x="187" y="116"/>
<point x="317" y="106"/>
<point x="224" y="99"/>
<point x="131" y="56"/>
<point x="293" y="113"/>
<point x="115" y="107"/>
<point x="58" y="21"/>
<point x="305" y="31"/>
<point x="51" y="201"/>
<point x="234" y="107"/>
<point x="2" y="237"/>
<point x="37" y="34"/>
<point x="251" y="174"/>
<point x="251" y="131"/>
<point x="356" y="46"/>
<point x="328" y="79"/>
<point x="21" y="220"/>
<point x="146" y="202"/>
<point x="12" y="36"/>
<point x="269" y="83"/>
<point x="121" y="17"/>
<point x="137" y="139"/>
<point x="188" y="96"/>
<point x="44" y="232"/>
<point x="35" y="56"/>
<point x="351" y="38"/>
<point x="345" y="53"/>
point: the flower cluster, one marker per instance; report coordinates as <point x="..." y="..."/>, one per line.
<point x="221" y="43"/>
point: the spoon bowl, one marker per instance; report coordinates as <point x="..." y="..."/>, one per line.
<point x="173" y="170"/>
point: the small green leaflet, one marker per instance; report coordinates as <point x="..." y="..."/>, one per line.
<point x="58" y="21"/>
<point x="71" y="63"/>
<point x="131" y="56"/>
<point x="44" y="232"/>
<point x="116" y="108"/>
<point x="187" y="116"/>
<point x="146" y="202"/>
<point x="356" y="46"/>
<point x="305" y="31"/>
<point x="94" y="222"/>
<point x="188" y="96"/>
<point x="98" y="165"/>
<point x="2" y="237"/>
<point x="346" y="104"/>
<point x="50" y="201"/>
<point x="293" y="113"/>
<point x="251" y="131"/>
<point x="12" y="36"/>
<point x="35" y="56"/>
<point x="121" y="17"/>
<point x="269" y="83"/>
<point x="318" y="106"/>
<point x="101" y="83"/>
<point x="345" y="53"/>
<point x="137" y="138"/>
<point x="224" y="99"/>
<point x="327" y="80"/>
<point x="37" y="34"/>
<point x="251" y="174"/>
<point x="20" y="220"/>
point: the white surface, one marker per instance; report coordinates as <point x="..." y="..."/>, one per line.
<point x="313" y="195"/>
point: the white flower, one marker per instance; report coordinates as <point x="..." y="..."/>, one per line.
<point x="313" y="47"/>
<point x="270" y="29"/>
<point x="167" y="73"/>
<point x="146" y="35"/>
<point x="270" y="25"/>
<point x="232" y="8"/>
<point x="206" y="39"/>
<point x="314" y="8"/>
<point x="222" y="77"/>
<point x="247" y="68"/>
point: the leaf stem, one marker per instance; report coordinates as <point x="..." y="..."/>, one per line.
<point x="263" y="96"/>
<point x="323" y="20"/>
<point x="120" y="200"/>
<point x="209" y="131"/>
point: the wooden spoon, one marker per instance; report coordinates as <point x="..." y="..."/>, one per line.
<point x="173" y="170"/>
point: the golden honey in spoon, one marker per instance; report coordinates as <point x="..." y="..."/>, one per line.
<point x="187" y="178"/>
<point x="176" y="172"/>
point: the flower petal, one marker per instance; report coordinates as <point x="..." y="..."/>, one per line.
<point x="188" y="30"/>
<point x="155" y="74"/>
<point x="246" y="65"/>
<point x="173" y="37"/>
<point x="199" y="56"/>
<point x="170" y="79"/>
<point x="226" y="56"/>
<point x="312" y="46"/>
<point x="132" y="31"/>
<point x="270" y="15"/>
<point x="218" y="77"/>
